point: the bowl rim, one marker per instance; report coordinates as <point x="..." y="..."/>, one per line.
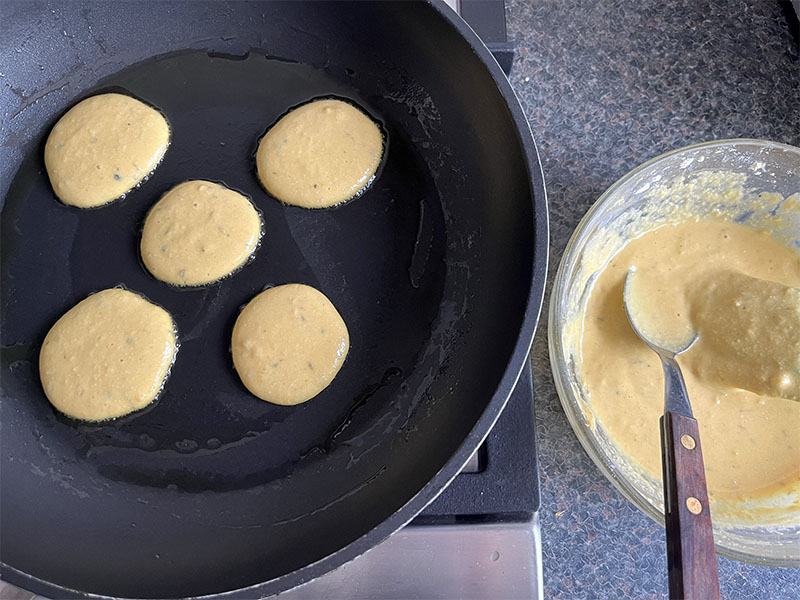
<point x="555" y="347"/>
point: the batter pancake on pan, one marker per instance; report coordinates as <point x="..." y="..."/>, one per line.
<point x="107" y="356"/>
<point x="289" y="343"/>
<point x="320" y="154"/>
<point x="198" y="233"/>
<point x="103" y="147"/>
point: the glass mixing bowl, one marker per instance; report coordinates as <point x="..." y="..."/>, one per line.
<point x="761" y="176"/>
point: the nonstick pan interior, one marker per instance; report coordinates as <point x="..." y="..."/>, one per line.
<point x="212" y="490"/>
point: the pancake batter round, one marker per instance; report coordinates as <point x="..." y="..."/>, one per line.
<point x="103" y="147"/>
<point x="107" y="356"/>
<point x="198" y="233"/>
<point x="289" y="343"/>
<point x="320" y="154"/>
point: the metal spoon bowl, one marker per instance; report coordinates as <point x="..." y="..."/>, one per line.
<point x="676" y="398"/>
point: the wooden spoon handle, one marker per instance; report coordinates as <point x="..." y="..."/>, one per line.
<point x="691" y="556"/>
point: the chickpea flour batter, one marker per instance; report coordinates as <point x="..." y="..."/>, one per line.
<point x="320" y="154"/>
<point x="289" y="343"/>
<point x="107" y="356"/>
<point x="198" y="233"/>
<point x="732" y="284"/>
<point x="103" y="147"/>
<point x="751" y="328"/>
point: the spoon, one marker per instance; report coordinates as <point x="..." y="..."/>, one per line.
<point x="691" y="557"/>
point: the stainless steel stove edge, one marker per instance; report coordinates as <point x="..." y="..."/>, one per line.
<point x="470" y="561"/>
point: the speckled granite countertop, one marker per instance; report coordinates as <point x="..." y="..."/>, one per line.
<point x="606" y="85"/>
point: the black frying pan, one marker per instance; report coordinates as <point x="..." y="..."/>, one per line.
<point x="438" y="271"/>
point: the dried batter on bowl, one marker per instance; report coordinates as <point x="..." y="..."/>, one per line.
<point x="107" y="356"/>
<point x="198" y="233"/>
<point x="103" y="147"/>
<point x="320" y="154"/>
<point x="289" y="343"/>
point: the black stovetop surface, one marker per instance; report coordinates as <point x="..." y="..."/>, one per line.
<point x="507" y="486"/>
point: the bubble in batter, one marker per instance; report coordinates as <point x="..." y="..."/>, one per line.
<point x="289" y="343"/>
<point x="320" y="154"/>
<point x="198" y="233"/>
<point x="103" y="147"/>
<point x="107" y="356"/>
